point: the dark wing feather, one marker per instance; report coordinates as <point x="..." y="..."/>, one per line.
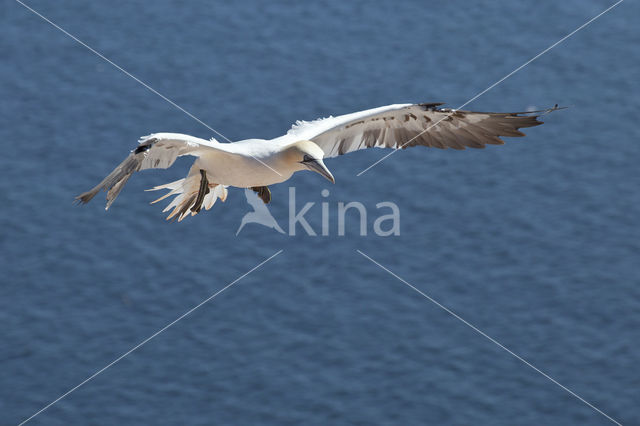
<point x="402" y="126"/>
<point x="157" y="151"/>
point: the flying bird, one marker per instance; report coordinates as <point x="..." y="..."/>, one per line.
<point x="257" y="163"/>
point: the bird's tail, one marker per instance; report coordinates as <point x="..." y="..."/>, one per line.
<point x="192" y="193"/>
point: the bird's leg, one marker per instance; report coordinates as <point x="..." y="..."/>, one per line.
<point x="263" y="192"/>
<point x="202" y="191"/>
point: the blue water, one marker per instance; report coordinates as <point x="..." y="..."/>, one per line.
<point x="536" y="243"/>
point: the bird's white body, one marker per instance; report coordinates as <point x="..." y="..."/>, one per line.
<point x="245" y="164"/>
<point x="258" y="163"/>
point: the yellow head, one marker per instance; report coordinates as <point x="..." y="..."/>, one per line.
<point x="307" y="156"/>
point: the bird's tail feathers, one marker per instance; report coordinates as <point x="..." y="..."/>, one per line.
<point x="186" y="200"/>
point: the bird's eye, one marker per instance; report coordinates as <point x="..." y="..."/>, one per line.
<point x="307" y="158"/>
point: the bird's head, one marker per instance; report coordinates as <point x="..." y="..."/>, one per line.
<point x="308" y="156"/>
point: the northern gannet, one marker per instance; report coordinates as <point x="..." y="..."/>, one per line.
<point x="258" y="163"/>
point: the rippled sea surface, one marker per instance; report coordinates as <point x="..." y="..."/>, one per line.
<point x="535" y="243"/>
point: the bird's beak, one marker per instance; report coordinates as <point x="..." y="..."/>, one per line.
<point x="319" y="167"/>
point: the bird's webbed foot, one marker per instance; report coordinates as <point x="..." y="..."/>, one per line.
<point x="202" y="192"/>
<point x="263" y="192"/>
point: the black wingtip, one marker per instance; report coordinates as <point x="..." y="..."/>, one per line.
<point x="430" y="106"/>
<point x="84" y="198"/>
<point x="545" y="111"/>
<point x="555" y="108"/>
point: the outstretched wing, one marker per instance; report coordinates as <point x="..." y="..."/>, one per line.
<point x="404" y="125"/>
<point x="156" y="151"/>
